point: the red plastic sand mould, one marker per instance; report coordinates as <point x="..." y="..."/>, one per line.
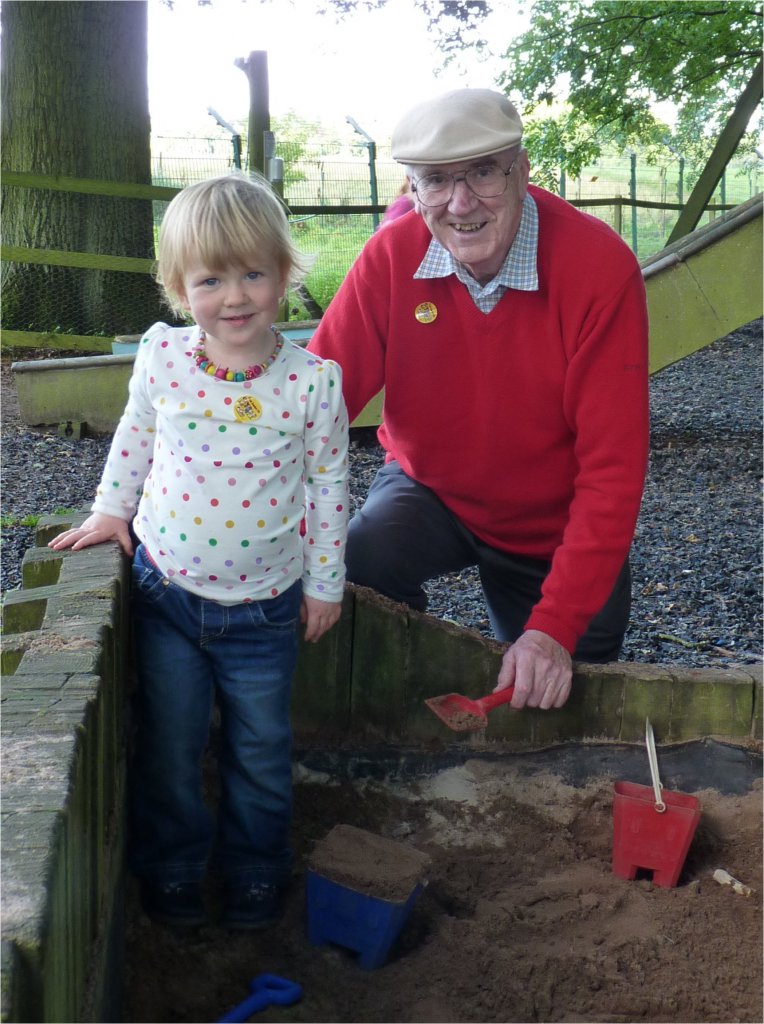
<point x="652" y="827"/>
<point x="652" y="840"/>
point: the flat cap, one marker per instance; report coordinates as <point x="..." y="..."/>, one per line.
<point x="458" y="125"/>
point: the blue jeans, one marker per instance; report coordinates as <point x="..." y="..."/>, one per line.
<point x="186" y="649"/>
<point x="404" y="535"/>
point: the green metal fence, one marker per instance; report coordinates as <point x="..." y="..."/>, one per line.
<point x="640" y="200"/>
<point x="337" y="186"/>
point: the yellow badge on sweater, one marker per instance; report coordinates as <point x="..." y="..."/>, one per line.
<point x="246" y="409"/>
<point x="426" y="312"/>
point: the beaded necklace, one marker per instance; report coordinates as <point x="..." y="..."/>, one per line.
<point x="223" y="373"/>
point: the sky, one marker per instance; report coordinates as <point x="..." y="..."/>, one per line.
<point x="371" y="66"/>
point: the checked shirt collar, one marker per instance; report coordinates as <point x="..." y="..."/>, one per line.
<point x="518" y="270"/>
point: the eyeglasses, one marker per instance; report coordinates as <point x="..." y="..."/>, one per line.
<point x="485" y="181"/>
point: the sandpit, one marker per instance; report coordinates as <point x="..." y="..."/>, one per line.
<point x="522" y="919"/>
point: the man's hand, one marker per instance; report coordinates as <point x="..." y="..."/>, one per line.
<point x="96" y="529"/>
<point x="318" y="616"/>
<point x="540" y="669"/>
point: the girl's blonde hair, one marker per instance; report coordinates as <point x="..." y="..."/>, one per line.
<point x="231" y="220"/>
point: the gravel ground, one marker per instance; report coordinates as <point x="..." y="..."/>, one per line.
<point x="697" y="553"/>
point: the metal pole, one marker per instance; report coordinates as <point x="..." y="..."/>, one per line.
<point x="373" y="180"/>
<point x="633" y="196"/>
<point x="372" y="150"/>
<point x="235" y="137"/>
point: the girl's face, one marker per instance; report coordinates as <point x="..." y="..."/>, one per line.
<point x="235" y="306"/>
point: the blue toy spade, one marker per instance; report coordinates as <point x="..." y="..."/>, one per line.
<point x="265" y="990"/>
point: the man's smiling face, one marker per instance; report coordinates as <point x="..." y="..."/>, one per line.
<point x="478" y="232"/>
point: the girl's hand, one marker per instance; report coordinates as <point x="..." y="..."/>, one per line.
<point x="318" y="616"/>
<point x="97" y="529"/>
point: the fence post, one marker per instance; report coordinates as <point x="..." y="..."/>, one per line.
<point x="236" y="142"/>
<point x="633" y="196"/>
<point x="371" y="146"/>
<point x="235" y="137"/>
<point x="255" y="67"/>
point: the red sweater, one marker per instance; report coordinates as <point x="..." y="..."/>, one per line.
<point x="530" y="423"/>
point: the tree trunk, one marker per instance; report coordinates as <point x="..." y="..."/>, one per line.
<point x="75" y="89"/>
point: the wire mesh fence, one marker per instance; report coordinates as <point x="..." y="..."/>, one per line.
<point x="336" y="171"/>
<point x="181" y="161"/>
<point x="339" y="170"/>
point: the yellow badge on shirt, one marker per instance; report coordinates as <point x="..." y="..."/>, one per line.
<point x="246" y="409"/>
<point x="426" y="312"/>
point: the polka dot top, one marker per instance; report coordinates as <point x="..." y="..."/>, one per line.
<point x="224" y="474"/>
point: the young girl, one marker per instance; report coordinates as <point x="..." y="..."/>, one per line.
<point x="233" y="447"/>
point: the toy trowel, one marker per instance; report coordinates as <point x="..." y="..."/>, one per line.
<point x="464" y="715"/>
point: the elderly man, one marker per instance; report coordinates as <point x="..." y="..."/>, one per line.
<point x="509" y="331"/>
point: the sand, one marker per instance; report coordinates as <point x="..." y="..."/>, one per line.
<point x="523" y="918"/>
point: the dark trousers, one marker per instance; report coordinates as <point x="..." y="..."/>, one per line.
<point x="404" y="535"/>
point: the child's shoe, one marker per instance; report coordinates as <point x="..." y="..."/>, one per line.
<point x="178" y="903"/>
<point x="253" y="905"/>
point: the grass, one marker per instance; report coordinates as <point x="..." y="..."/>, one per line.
<point x="9" y="521"/>
<point x="335" y="242"/>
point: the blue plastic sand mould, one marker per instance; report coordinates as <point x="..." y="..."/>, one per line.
<point x="362" y="923"/>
